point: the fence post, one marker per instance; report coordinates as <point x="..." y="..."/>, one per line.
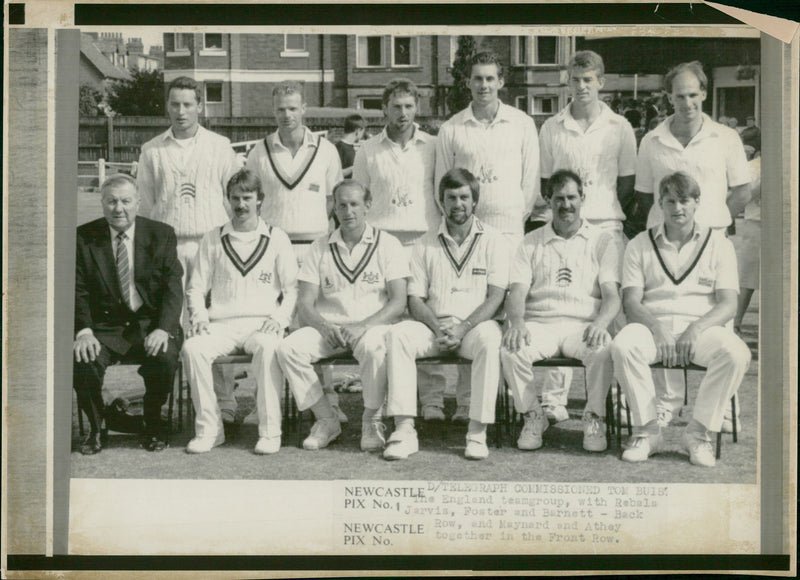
<point x="110" y="137"/>
<point x="101" y="172"/>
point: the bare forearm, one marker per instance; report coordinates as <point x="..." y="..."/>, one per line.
<point x="423" y="313"/>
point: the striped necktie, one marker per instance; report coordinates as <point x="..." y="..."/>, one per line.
<point x="123" y="268"/>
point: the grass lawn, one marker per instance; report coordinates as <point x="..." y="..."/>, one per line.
<point x="441" y="449"/>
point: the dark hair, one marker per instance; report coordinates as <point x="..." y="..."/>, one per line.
<point x="634" y="117"/>
<point x="181" y="83"/>
<point x="245" y="180"/>
<point x="354" y="122"/>
<point x="457" y="178"/>
<point x="486" y="58"/>
<point x="559" y="179"/>
<point x="695" y="67"/>
<point x="680" y="184"/>
<point x="115" y="181"/>
<point x="353" y="182"/>
<point x="400" y="85"/>
<point x="587" y="59"/>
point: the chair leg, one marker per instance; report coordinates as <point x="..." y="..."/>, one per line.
<point x="170" y="412"/>
<point x="619" y="416"/>
<point x="180" y="396"/>
<point x="719" y="444"/>
<point x="734" y="420"/>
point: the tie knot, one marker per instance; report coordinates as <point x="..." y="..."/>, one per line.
<point x="122" y="236"/>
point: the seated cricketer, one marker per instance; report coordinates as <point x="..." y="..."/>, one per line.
<point x="250" y="271"/>
<point x="352" y="287"/>
<point x="459" y="276"/>
<point x="564" y="294"/>
<point x="679" y="287"/>
<point x="128" y="300"/>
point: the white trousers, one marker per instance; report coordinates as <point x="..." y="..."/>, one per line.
<point x="557" y="339"/>
<point x="725" y="356"/>
<point x="410" y="340"/>
<point x="225" y="337"/>
<point x="299" y="351"/>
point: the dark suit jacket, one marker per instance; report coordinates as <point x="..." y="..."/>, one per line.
<point x="157" y="276"/>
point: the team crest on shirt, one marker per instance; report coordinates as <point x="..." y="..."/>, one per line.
<point x="564" y="276"/>
<point x="370" y="278"/>
<point x="265" y="277"/>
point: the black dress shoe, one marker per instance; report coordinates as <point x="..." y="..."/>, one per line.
<point x="92" y="444"/>
<point x="154" y="443"/>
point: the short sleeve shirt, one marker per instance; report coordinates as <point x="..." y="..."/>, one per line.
<point x="353" y="285"/>
<point x="715" y="158"/>
<point x="454" y="279"/>
<point x="564" y="275"/>
<point x="679" y="285"/>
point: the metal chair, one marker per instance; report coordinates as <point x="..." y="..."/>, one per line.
<point x="348" y="360"/>
<point x="685" y="369"/>
<point x="557" y="361"/>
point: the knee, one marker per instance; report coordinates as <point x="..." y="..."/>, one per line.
<point x="734" y="351"/>
<point x="489" y="336"/>
<point x="373" y="343"/>
<point x="508" y="358"/>
<point x="192" y="347"/>
<point x="264" y="343"/>
<point x="626" y="342"/>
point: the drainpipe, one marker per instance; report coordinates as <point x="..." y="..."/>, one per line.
<point x="322" y="70"/>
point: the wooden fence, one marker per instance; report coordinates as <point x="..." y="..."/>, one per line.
<point x="119" y="139"/>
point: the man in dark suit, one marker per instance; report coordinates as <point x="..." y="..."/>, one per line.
<point x="128" y="299"/>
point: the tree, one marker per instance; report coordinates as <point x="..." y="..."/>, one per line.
<point x="89" y="100"/>
<point x="459" y="96"/>
<point x="144" y="95"/>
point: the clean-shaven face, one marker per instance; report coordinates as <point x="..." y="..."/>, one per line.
<point x="120" y="205"/>
<point x="400" y="112"/>
<point x="585" y="85"/>
<point x="183" y="110"/>
<point x="677" y="212"/>
<point x="686" y="96"/>
<point x="350" y="207"/>
<point x="484" y="83"/>
<point x="457" y="204"/>
<point x="289" y="110"/>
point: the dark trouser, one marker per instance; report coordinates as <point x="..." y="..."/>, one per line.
<point x="157" y="371"/>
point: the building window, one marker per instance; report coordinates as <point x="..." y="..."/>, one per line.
<point x="213" y="91"/>
<point x="545" y="105"/>
<point x="181" y="42"/>
<point x="405" y="51"/>
<point x="521" y="103"/>
<point x="370" y="103"/>
<point x="546" y="50"/>
<point x="534" y="50"/>
<point x="369" y="51"/>
<point x="212" y="41"/>
<point x="294" y="42"/>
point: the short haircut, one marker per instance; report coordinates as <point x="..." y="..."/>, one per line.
<point x="115" y="181"/>
<point x="587" y="59"/>
<point x="486" y="58"/>
<point x="634" y="117"/>
<point x="353" y="123"/>
<point x="181" y="83"/>
<point x="457" y="178"/>
<point x="749" y="117"/>
<point x="245" y="180"/>
<point x="400" y="85"/>
<point x="681" y="185"/>
<point x="695" y="67"/>
<point x="288" y="88"/>
<point x="352" y="182"/>
<point x="559" y="179"/>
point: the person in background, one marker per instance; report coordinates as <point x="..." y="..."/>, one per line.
<point x="599" y="145"/>
<point x="181" y="177"/>
<point x="749" y="251"/>
<point x="354" y="129"/>
<point x="397" y="166"/>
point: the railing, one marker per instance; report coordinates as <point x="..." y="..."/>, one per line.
<point x="103" y="169"/>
